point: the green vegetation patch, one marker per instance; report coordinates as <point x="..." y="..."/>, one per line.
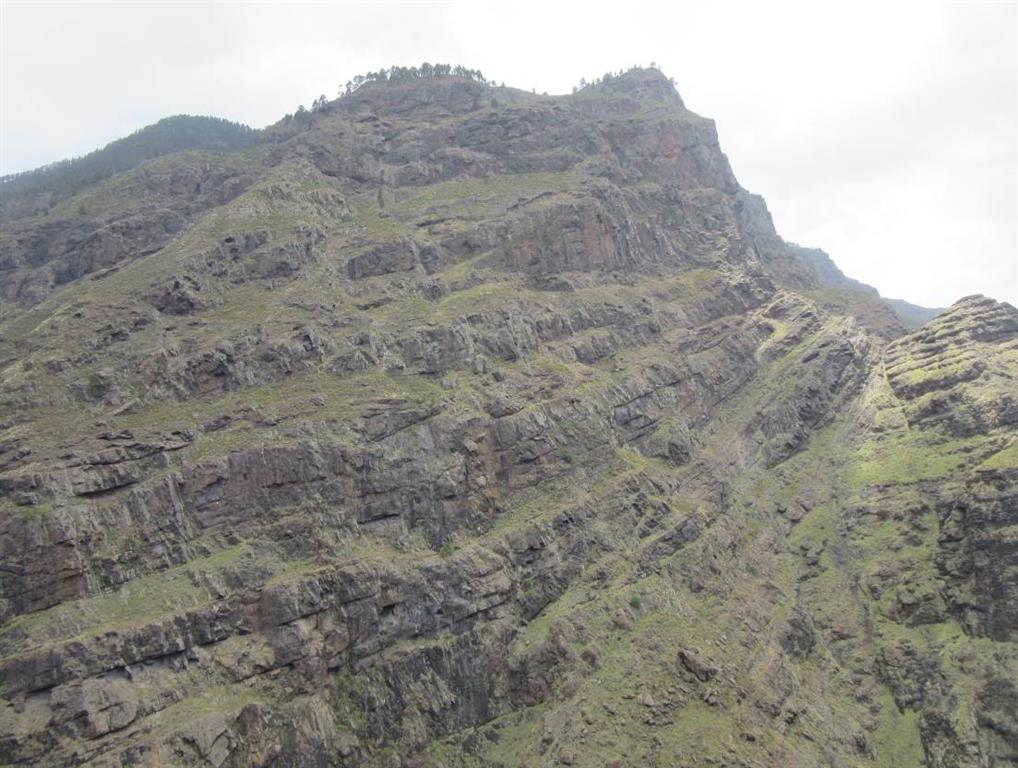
<point x="488" y="194"/>
<point x="1006" y="458"/>
<point x="339" y="396"/>
<point x="897" y="740"/>
<point x="910" y="457"/>
<point x="138" y="601"/>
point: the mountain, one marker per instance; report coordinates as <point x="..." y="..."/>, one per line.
<point x="38" y="190"/>
<point x="912" y="315"/>
<point x="454" y="425"/>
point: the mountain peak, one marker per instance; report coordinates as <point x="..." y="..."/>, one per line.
<point x="644" y="83"/>
<point x="979" y="315"/>
<point x="408" y="96"/>
<point x="974" y="301"/>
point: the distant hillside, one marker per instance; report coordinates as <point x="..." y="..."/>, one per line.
<point x="42" y="187"/>
<point x="912" y="315"/>
<point x="829" y="273"/>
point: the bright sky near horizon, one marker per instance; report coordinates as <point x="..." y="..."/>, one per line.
<point x="884" y="133"/>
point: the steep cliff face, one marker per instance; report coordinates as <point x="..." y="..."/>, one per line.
<point x="466" y="426"/>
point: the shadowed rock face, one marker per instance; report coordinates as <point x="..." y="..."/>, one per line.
<point x="469" y="427"/>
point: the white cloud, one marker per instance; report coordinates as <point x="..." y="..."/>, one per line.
<point x="885" y="133"/>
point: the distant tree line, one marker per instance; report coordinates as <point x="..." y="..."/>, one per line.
<point x="394" y="74"/>
<point x="423" y="72"/>
<point x="171" y="134"/>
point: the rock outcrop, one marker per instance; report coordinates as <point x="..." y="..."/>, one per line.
<point x="464" y="426"/>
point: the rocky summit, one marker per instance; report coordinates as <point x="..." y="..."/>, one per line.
<point x="448" y="424"/>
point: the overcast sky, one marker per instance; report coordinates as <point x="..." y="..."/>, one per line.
<point x="886" y="134"/>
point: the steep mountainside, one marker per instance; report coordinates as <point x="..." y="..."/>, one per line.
<point x="464" y="426"/>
